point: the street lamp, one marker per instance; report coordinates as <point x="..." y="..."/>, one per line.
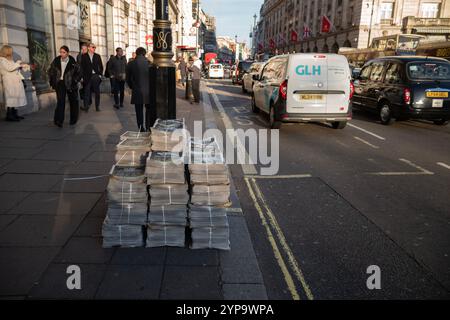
<point x="162" y="73"/>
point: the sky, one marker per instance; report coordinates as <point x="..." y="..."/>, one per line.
<point x="233" y="17"/>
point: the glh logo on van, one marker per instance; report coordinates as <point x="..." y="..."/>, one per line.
<point x="302" y="70"/>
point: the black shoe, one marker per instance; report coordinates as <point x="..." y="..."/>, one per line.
<point x="116" y="106"/>
<point x="97" y="109"/>
<point x="58" y="124"/>
<point x="121" y="106"/>
<point x="72" y="123"/>
<point x="15" y="114"/>
<point x="10" y="116"/>
<point x="85" y="109"/>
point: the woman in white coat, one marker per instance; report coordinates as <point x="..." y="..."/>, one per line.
<point x="12" y="83"/>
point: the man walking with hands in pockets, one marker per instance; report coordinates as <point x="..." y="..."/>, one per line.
<point x="92" y="70"/>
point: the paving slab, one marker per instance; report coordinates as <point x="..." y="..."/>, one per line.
<point x="22" y="267"/>
<point x="81" y="183"/>
<point x="191" y="282"/>
<point x="90" y="227"/>
<point x="84" y="250"/>
<point x="89" y="168"/>
<point x="39" y="231"/>
<point x="6" y="220"/>
<point x="139" y="256"/>
<point x="61" y="204"/>
<point x="17" y="153"/>
<point x="28" y="182"/>
<point x="36" y="166"/>
<point x="131" y="282"/>
<point x="22" y="143"/>
<point x="9" y="200"/>
<point x="53" y="284"/>
<point x="100" y="208"/>
<point x="101" y="156"/>
<point x="244" y="292"/>
<point x="188" y="257"/>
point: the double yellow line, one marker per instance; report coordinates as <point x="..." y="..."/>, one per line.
<point x="270" y="223"/>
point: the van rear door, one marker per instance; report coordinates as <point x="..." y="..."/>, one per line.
<point x="338" y="99"/>
<point x="307" y="83"/>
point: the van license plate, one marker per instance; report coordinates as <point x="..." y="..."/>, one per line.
<point x="433" y="94"/>
<point x="438" y="103"/>
<point x="311" y="97"/>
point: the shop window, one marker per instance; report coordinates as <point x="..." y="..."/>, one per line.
<point x="430" y="10"/>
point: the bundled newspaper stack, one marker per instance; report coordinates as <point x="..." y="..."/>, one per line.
<point x="167" y="226"/>
<point x="210" y="194"/>
<point x="165" y="168"/>
<point x="127" y="207"/>
<point x="168" y="135"/>
<point x="208" y="174"/>
<point x="209" y="228"/>
<point x="133" y="148"/>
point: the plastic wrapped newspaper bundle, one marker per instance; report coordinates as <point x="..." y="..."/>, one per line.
<point x="133" y="151"/>
<point x="169" y="135"/>
<point x="135" y="135"/>
<point x="209" y="228"/>
<point x="167" y="226"/>
<point x="165" y="168"/>
<point x="127" y="207"/>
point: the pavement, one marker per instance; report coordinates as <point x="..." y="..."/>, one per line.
<point x="343" y="201"/>
<point x="52" y="205"/>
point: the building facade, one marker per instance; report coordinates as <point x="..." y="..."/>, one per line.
<point x="36" y="29"/>
<point x="327" y="25"/>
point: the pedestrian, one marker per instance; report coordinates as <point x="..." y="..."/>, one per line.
<point x="83" y="50"/>
<point x="133" y="56"/>
<point x="183" y="71"/>
<point x="138" y="80"/>
<point x="13" y="88"/>
<point x="107" y="75"/>
<point x="177" y="72"/>
<point x="64" y="75"/>
<point x="196" y="69"/>
<point x="117" y="71"/>
<point x="92" y="70"/>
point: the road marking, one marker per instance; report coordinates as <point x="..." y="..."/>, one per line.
<point x="281" y="238"/>
<point x="290" y="176"/>
<point x="443" y="165"/>
<point x="366" y="131"/>
<point x="366" y="142"/>
<point x="278" y="257"/>
<point x="246" y="168"/>
<point x="421" y="171"/>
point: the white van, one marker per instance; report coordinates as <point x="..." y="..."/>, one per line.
<point x="305" y="87"/>
<point x="215" y="71"/>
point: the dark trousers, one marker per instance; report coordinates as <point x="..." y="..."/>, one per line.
<point x="118" y="91"/>
<point x="92" y="86"/>
<point x="150" y="116"/>
<point x="196" y="89"/>
<point x="61" y="93"/>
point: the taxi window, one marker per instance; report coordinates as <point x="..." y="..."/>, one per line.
<point x="377" y="71"/>
<point x="365" y="72"/>
<point x="429" y="70"/>
<point x="393" y="73"/>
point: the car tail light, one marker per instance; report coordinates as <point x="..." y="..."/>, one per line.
<point x="283" y="90"/>
<point x="407" y="96"/>
<point x="237" y="72"/>
<point x="352" y="89"/>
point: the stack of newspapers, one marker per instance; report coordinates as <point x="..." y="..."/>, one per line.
<point x="133" y="149"/>
<point x="166" y="226"/>
<point x="169" y="135"/>
<point x="210" y="187"/>
<point x="169" y="197"/>
<point x="127" y="194"/>
<point x="208" y="174"/>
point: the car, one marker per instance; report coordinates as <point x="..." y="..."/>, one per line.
<point x="405" y="87"/>
<point x="215" y="71"/>
<point x="247" y="79"/>
<point x="241" y="68"/>
<point x="304" y="87"/>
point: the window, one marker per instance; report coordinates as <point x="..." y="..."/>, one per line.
<point x="430" y="10"/>
<point x="268" y="71"/>
<point x="365" y="72"/>
<point x="377" y="71"/>
<point x="429" y="70"/>
<point x="386" y="12"/>
<point x="393" y="73"/>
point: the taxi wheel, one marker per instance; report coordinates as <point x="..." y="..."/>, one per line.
<point x="274" y="124"/>
<point x="254" y="107"/>
<point x="386" y="114"/>
<point x="441" y="122"/>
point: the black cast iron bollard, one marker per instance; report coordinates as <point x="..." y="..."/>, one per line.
<point x="163" y="91"/>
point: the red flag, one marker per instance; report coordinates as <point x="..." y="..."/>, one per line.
<point x="326" y="25"/>
<point x="294" y="36"/>
<point x="272" y="44"/>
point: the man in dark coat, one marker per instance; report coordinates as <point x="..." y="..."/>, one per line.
<point x="92" y="70"/>
<point x="117" y="68"/>
<point x="138" y="81"/>
<point x="64" y="75"/>
<point x="182" y="67"/>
